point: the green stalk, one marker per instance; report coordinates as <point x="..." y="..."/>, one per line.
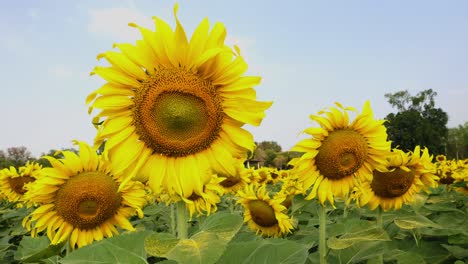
<point x="173" y="219"/>
<point x="322" y="235"/>
<point x="379" y="218"/>
<point x="182" y="231"/>
<point x="380" y="225"/>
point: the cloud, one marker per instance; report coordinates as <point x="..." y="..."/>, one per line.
<point x="113" y="22"/>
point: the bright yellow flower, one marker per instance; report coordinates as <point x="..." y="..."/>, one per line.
<point x="263" y="214"/>
<point x="338" y="151"/>
<point x="174" y="108"/>
<point x="406" y="174"/>
<point x="81" y="199"/>
<point x="14" y="183"/>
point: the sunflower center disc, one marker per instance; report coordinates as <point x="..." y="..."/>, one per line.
<point x="341" y="154"/>
<point x="18" y="183"/>
<point x="88" y="199"/>
<point x="262" y="213"/>
<point x="87" y="208"/>
<point x="230" y="181"/>
<point x="177" y="113"/>
<point x="447" y="179"/>
<point x="392" y="184"/>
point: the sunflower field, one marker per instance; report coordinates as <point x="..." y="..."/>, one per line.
<point x="166" y="179"/>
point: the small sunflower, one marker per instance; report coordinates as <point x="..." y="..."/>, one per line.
<point x="263" y="214"/>
<point x="82" y="199"/>
<point x="406" y="174"/>
<point x="339" y="151"/>
<point x="14" y="183"/>
<point x="201" y="203"/>
<point x="174" y="109"/>
<point x="234" y="183"/>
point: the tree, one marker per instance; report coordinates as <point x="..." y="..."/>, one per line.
<point x="417" y="122"/>
<point x="457" y="142"/>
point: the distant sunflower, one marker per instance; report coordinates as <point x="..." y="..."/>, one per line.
<point x="441" y="158"/>
<point x="234" y="183"/>
<point x="339" y="151"/>
<point x="263" y="214"/>
<point x="81" y="199"/>
<point x="14" y="183"/>
<point x="406" y="174"/>
<point x="174" y="109"/>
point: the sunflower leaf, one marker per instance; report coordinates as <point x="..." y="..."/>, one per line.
<point x="159" y="244"/>
<point x="35" y="249"/>
<point x="416" y="221"/>
<point x="269" y="251"/>
<point x="349" y="239"/>
<point x="127" y="248"/>
<point x="206" y="246"/>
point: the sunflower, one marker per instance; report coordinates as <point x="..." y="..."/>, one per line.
<point x="234" y="183"/>
<point x="14" y="183"/>
<point x="339" y="151"/>
<point x="263" y="214"/>
<point x="406" y="174"/>
<point x="173" y="109"/>
<point x="82" y="199"/>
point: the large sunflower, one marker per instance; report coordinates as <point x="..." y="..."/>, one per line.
<point x="82" y="199"/>
<point x="338" y="151"/>
<point x="173" y="109"/>
<point x="263" y="214"/>
<point x="14" y="183"/>
<point x="405" y="175"/>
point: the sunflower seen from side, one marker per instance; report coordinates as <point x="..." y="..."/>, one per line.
<point x="81" y="199"/>
<point x="14" y="182"/>
<point x="339" y="151"/>
<point x="263" y="214"/>
<point x="236" y="182"/>
<point x="405" y="175"/>
<point x="174" y="108"/>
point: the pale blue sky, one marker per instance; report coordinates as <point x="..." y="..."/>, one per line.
<point x="309" y="53"/>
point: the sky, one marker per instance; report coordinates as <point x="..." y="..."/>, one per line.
<point x="310" y="54"/>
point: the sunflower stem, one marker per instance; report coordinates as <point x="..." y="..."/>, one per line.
<point x="68" y="248"/>
<point x="181" y="220"/>
<point x="380" y="225"/>
<point x="173" y="219"/>
<point x="379" y="218"/>
<point x="322" y="234"/>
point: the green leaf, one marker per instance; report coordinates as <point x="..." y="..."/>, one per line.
<point x="360" y="251"/>
<point x="349" y="239"/>
<point x="410" y="258"/>
<point x="443" y="207"/>
<point x="126" y="248"/>
<point x="458" y="239"/>
<point x="159" y="244"/>
<point x="203" y="247"/>
<point x="457" y="251"/>
<point x="225" y="225"/>
<point x="269" y="251"/>
<point x="416" y="221"/>
<point x="206" y="246"/>
<point x="35" y="249"/>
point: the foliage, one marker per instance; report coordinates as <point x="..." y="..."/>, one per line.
<point x="457" y="143"/>
<point x="14" y="156"/>
<point x="417" y="122"/>
<point x="269" y="154"/>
